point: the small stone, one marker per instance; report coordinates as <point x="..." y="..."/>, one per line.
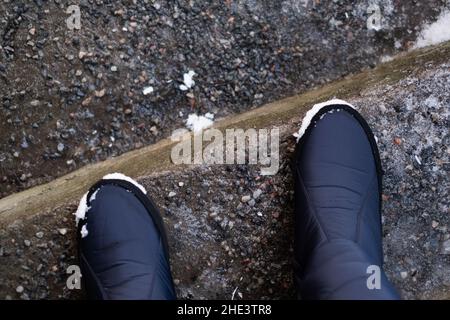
<point x="154" y="130"/>
<point x="15" y="154"/>
<point x="180" y="184"/>
<point x="35" y="103"/>
<point x="128" y="111"/>
<point x="172" y="194"/>
<point x="252" y="202"/>
<point x="86" y="101"/>
<point x="23" y="177"/>
<point x="60" y="147"/>
<point x="24" y="143"/>
<point x="434" y="224"/>
<point x="245" y="199"/>
<point x="190" y="95"/>
<point x="32" y="31"/>
<point x="27" y="243"/>
<point x="19" y="289"/>
<point x="147" y="90"/>
<point x="113" y="68"/>
<point x="100" y="93"/>
<point x="403" y="274"/>
<point x="78" y="73"/>
<point x="398" y="141"/>
<point x="62" y="231"/>
<point x="39" y="234"/>
<point x="257" y="193"/>
<point x="82" y="54"/>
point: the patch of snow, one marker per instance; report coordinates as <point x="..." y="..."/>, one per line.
<point x="436" y="32"/>
<point x="120" y="176"/>
<point x="315" y="109"/>
<point x="84" y="231"/>
<point x="188" y="82"/>
<point x="386" y="58"/>
<point x="147" y="90"/>
<point x="197" y="123"/>
<point x="80" y="214"/>
<point x="94" y="195"/>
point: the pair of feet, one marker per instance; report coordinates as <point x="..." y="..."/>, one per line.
<point x="338" y="239"/>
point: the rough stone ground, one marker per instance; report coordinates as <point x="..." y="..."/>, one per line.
<point x="69" y="98"/>
<point x="222" y="240"/>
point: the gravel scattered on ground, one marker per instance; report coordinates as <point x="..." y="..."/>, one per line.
<point x="73" y="97"/>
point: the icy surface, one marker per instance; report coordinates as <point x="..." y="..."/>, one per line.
<point x="311" y="113"/>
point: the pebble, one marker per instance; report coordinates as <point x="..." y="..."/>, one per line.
<point x="113" y="68"/>
<point x="35" y="103"/>
<point x="62" y="231"/>
<point x="39" y="235"/>
<point x="24" y="144"/>
<point x="27" y="243"/>
<point x="246" y="198"/>
<point x="257" y="193"/>
<point x="147" y="90"/>
<point x="172" y="194"/>
<point x="60" y="147"/>
<point x="19" y="289"/>
<point x="100" y="93"/>
<point x="82" y="54"/>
